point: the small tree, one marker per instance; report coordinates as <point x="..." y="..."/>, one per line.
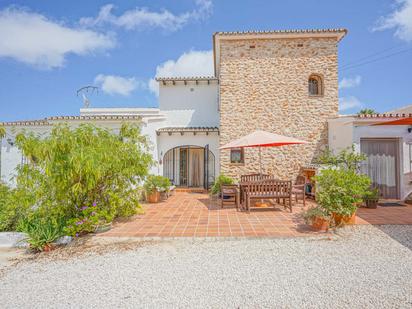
<point x="72" y="170"/>
<point x="346" y="159"/>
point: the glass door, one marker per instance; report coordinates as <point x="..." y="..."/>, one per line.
<point x="183" y="166"/>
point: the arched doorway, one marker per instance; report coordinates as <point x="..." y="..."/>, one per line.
<point x="190" y="166"/>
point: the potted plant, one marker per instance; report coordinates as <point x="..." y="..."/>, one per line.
<point x="221" y="180"/>
<point x="340" y="191"/>
<point x="164" y="188"/>
<point x="154" y="185"/>
<point x="318" y="218"/>
<point x="371" y="198"/>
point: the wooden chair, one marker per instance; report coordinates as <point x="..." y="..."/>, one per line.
<point x="269" y="189"/>
<point x="230" y="195"/>
<point x="299" y="189"/>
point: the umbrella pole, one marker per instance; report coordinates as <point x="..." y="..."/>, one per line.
<point x="262" y="203"/>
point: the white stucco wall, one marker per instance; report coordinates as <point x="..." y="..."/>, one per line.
<point x="340" y="133"/>
<point x="189" y="105"/>
<point x="167" y="142"/>
<point x="11" y="156"/>
<point x="10" y="159"/>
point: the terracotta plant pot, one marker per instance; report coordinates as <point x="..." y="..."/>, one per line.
<point x="342" y="219"/>
<point x="153" y="197"/>
<point x="48" y="248"/>
<point x="320" y="224"/>
<point x="372" y="203"/>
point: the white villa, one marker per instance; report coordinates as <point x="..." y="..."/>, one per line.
<point x="183" y="131"/>
<point x="279" y="81"/>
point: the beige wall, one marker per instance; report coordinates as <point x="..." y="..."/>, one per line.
<point x="266" y="88"/>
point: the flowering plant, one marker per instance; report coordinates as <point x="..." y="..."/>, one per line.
<point x="85" y="221"/>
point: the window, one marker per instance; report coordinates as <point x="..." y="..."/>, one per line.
<point x="315" y="85"/>
<point x="237" y="155"/>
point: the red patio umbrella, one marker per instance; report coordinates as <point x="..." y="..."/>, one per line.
<point x="262" y="139"/>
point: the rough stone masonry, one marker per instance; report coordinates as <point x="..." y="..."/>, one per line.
<point x="264" y="85"/>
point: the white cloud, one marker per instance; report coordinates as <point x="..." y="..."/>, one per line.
<point x="33" y="39"/>
<point x="350" y="82"/>
<point x="112" y="84"/>
<point x="193" y="63"/>
<point x="141" y="17"/>
<point x="350" y="102"/>
<point x="400" y="20"/>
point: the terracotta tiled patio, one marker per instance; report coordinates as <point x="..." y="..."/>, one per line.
<point x="385" y="215"/>
<point x="197" y="215"/>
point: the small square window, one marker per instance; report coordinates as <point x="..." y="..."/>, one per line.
<point x="237" y="155"/>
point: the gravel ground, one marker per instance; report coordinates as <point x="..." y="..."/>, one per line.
<point x="364" y="267"/>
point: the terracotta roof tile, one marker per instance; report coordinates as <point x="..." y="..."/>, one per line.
<point x="385" y="115"/>
<point x="49" y="120"/>
<point x="188" y="129"/>
<point x="187" y="78"/>
<point x="335" y="30"/>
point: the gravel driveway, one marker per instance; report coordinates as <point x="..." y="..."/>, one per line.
<point x="364" y="267"/>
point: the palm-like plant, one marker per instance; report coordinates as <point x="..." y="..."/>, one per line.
<point x="367" y="111"/>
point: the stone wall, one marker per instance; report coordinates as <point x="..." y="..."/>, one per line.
<point x="266" y="87"/>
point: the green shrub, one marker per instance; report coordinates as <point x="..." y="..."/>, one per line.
<point x="41" y="231"/>
<point x="157" y="183"/>
<point x="221" y="180"/>
<point x="71" y="168"/>
<point x="81" y="166"/>
<point x="340" y="190"/>
<point x="15" y="205"/>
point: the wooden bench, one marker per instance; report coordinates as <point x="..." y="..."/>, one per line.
<point x="269" y="189"/>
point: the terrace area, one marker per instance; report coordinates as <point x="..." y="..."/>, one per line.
<point x="188" y="214"/>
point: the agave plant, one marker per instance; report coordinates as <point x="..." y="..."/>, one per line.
<point x="41" y="233"/>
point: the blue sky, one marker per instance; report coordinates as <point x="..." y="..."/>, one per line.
<point x="49" y="49"/>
